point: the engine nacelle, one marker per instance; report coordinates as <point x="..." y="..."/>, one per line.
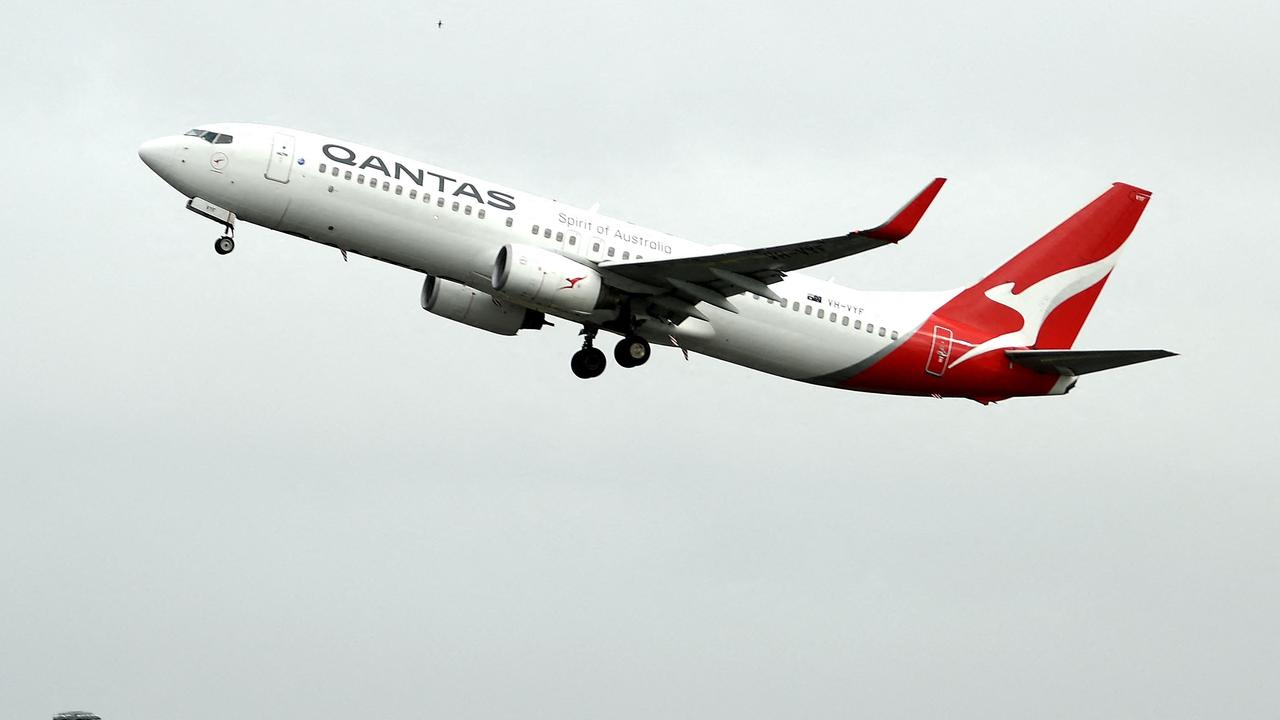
<point x="456" y="301"/>
<point x="546" y="279"/>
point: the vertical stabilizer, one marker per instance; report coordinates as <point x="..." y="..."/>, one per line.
<point x="1042" y="296"/>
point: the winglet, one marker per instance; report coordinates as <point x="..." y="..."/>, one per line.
<point x="901" y="224"/>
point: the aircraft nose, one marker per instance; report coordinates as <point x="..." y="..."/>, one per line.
<point x="155" y="153"/>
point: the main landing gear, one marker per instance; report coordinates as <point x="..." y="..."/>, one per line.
<point x="588" y="362"/>
<point x="631" y="351"/>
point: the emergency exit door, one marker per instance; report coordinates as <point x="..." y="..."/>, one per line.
<point x="281" y="162"/>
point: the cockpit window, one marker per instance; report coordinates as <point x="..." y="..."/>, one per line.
<point x="209" y="136"/>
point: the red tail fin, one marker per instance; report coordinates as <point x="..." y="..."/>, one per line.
<point x="1042" y="296"/>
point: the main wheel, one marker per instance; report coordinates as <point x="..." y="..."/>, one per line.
<point x="631" y="351"/>
<point x="224" y="245"/>
<point x="587" y="363"/>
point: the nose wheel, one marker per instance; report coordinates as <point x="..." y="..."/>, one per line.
<point x="222" y="216"/>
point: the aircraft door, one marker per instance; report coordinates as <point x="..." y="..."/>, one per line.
<point x="940" y="352"/>
<point x="280" y="163"/>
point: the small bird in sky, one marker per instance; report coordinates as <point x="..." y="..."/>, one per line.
<point x="439" y="24"/>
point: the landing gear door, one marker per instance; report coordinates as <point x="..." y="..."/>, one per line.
<point x="940" y="352"/>
<point x="281" y="161"/>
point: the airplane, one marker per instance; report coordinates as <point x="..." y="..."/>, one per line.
<point x="503" y="260"/>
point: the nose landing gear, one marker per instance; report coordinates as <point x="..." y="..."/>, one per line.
<point x="222" y="216"/>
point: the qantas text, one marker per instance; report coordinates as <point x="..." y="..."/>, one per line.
<point x="347" y="156"/>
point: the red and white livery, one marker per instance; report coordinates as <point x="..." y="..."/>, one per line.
<point x="503" y="260"/>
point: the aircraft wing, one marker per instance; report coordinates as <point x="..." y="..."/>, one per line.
<point x="713" y="278"/>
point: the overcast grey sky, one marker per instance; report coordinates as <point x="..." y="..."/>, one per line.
<point x="270" y="484"/>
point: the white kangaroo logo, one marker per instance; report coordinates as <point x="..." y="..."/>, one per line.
<point x="1036" y="302"/>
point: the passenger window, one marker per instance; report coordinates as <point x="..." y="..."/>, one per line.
<point x="440" y="201"/>
<point x="413" y="194"/>
<point x="573" y="239"/>
<point x="360" y="179"/>
<point x="845" y="321"/>
<point x="346" y="175"/>
<point x="808" y="309"/>
<point x="535" y="229"/>
<point x="833" y="317"/>
<point x="893" y="335"/>
<point x="821" y="313"/>
<point x="857" y="324"/>
<point x="335" y="170"/>
<point x="881" y="331"/>
<point x="610" y="253"/>
<point x="455" y="206"/>
<point x="796" y="306"/>
<point x="639" y="257"/>
<point x="871" y="328"/>
<point x="466" y="210"/>
<point x="322" y="168"/>
<point x="480" y="213"/>
<point x="559" y="237"/>
<point x="626" y="255"/>
<point x="546" y="233"/>
<point x="386" y="186"/>
<point x="426" y="197"/>
<point x="595" y="247"/>
<point x="399" y="189"/>
<point x="510" y="221"/>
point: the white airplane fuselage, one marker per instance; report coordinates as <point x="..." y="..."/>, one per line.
<point x="451" y="225"/>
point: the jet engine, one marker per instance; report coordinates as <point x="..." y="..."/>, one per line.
<point x="546" y="279"/>
<point x="456" y="301"/>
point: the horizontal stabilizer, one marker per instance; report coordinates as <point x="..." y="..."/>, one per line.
<point x="1081" y="362"/>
